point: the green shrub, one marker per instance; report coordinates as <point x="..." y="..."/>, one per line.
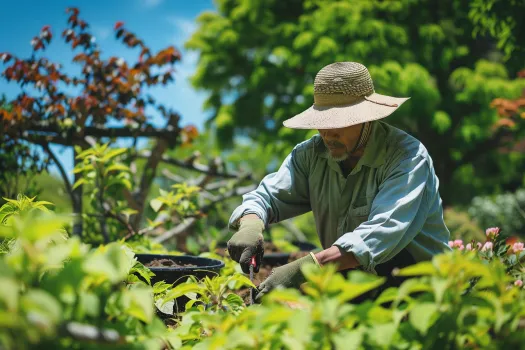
<point x="59" y="293"/>
<point x="506" y="211"/>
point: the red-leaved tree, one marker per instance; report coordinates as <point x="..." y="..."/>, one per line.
<point x="56" y="107"/>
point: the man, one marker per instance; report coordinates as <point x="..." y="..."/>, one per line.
<point x="371" y="187"/>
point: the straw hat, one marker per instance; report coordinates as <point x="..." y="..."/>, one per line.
<point x="343" y="96"/>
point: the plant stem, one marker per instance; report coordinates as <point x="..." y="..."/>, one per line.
<point x="102" y="218"/>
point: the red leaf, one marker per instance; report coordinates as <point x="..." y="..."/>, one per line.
<point x="119" y="25"/>
<point x="73" y="9"/>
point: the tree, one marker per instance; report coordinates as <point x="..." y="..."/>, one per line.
<point x="503" y="20"/>
<point x="258" y="61"/>
<point x="49" y="109"/>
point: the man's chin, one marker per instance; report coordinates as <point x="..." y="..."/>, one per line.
<point x="338" y="157"/>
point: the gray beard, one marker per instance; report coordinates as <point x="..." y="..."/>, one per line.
<point x="338" y="159"/>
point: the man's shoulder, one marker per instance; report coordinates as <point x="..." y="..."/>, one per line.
<point x="309" y="144"/>
<point x="401" y="144"/>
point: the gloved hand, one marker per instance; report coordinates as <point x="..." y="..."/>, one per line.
<point x="247" y="242"/>
<point x="287" y="276"/>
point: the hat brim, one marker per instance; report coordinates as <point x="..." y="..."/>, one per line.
<point x="342" y="116"/>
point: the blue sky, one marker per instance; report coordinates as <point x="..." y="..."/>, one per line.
<point x="159" y="23"/>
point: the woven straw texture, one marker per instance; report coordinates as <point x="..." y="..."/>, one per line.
<point x="344" y="96"/>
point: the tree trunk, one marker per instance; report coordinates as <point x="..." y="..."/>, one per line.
<point x="77" y="201"/>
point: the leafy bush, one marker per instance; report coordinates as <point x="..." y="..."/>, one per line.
<point x="58" y="293"/>
<point x="506" y="211"/>
<point x="431" y="311"/>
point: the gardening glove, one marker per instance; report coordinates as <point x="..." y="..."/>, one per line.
<point x="247" y="242"/>
<point x="287" y="276"/>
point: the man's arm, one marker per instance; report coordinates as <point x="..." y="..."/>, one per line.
<point x="280" y="195"/>
<point x="334" y="255"/>
<point x="397" y="216"/>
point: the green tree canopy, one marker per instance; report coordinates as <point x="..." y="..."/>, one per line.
<point x="258" y="60"/>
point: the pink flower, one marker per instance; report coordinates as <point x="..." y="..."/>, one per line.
<point x="492" y="232"/>
<point x="458" y="243"/>
<point x="469" y="246"/>
<point x="517" y="247"/>
<point x="479" y="245"/>
<point x="487" y="246"/>
<point x="518" y="283"/>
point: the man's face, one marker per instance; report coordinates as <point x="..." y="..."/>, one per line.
<point x="340" y="142"/>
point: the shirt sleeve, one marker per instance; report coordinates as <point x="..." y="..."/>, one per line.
<point x="397" y="215"/>
<point x="280" y="195"/>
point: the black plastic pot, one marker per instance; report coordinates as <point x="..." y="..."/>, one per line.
<point x="204" y="267"/>
<point x="277" y="259"/>
<point x="175" y="275"/>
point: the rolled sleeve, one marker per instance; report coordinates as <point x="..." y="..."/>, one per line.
<point x="281" y="195"/>
<point x="397" y="215"/>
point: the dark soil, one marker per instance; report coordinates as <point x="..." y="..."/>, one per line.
<point x="166" y="263"/>
<point x="269" y="247"/>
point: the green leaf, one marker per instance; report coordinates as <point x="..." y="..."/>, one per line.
<point x="128" y="212"/>
<point x="234" y="300"/>
<point x="81" y="168"/>
<point x="382" y="334"/>
<point x="419" y="269"/>
<point x="181" y="290"/>
<point x="160" y="287"/>
<point x="174" y="340"/>
<point x="141" y="305"/>
<point x="345" y="339"/>
<point x="441" y="121"/>
<point x="79" y="182"/>
<point x="238" y="281"/>
<point x="358" y="283"/>
<point x="143" y="271"/>
<point x="422" y="316"/>
<point x="90" y="303"/>
<point x="112" y="154"/>
<point x="387" y="296"/>
<point x="42" y="309"/>
<point x="9" y="293"/>
<point x="85" y="153"/>
<point x="116" y="167"/>
<point x="156" y="204"/>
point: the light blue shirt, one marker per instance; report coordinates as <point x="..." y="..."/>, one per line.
<point x="389" y="201"/>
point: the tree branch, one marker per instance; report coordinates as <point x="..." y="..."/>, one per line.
<point x="189" y="222"/>
<point x="63" y="173"/>
<point x="102" y="218"/>
<point x="192" y="166"/>
<point x="185" y="225"/>
<point x="150" y="169"/>
<point x="101" y="131"/>
<point x="131" y="231"/>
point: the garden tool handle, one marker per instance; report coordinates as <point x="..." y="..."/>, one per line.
<point x="252" y="266"/>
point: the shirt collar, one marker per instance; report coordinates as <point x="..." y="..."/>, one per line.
<point x="375" y="149"/>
